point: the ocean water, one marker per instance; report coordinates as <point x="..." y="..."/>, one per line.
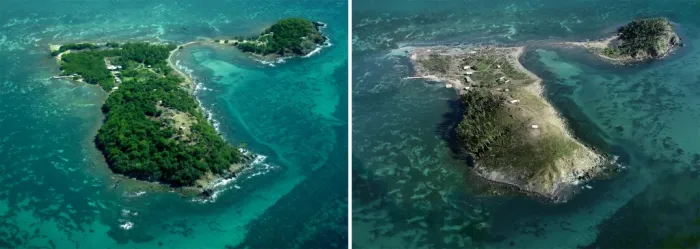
<point x="57" y="191"/>
<point x="411" y="191"/>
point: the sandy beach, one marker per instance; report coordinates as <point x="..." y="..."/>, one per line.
<point x="599" y="44"/>
<point x="598" y="47"/>
<point x="189" y="83"/>
<point x="514" y="58"/>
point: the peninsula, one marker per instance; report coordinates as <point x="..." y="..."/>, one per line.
<point x="154" y="129"/>
<point x="639" y="40"/>
<point x="511" y="132"/>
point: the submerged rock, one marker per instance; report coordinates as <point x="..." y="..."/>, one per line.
<point x="207" y="193"/>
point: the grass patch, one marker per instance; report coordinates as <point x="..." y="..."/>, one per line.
<point x="489" y="68"/>
<point x="499" y="136"/>
<point x="529" y="157"/>
<point x="436" y="63"/>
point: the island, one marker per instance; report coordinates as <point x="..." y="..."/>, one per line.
<point x="287" y="37"/>
<point x="639" y="40"/>
<point x="510" y="132"/>
<point x="154" y="129"/>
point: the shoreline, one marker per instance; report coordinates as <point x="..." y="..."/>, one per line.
<point x="209" y="182"/>
<point x="188" y="80"/>
<point x="539" y="110"/>
<point x="597" y="47"/>
<point x="536" y="86"/>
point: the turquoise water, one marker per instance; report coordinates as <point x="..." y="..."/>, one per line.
<point x="410" y="191"/>
<point x="57" y="191"/>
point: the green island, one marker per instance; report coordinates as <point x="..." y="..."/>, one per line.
<point x="287" y="37"/>
<point x="154" y="129"/>
<point x="512" y="133"/>
<point x="639" y="40"/>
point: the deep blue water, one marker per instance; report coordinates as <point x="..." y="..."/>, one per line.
<point x="57" y="191"/>
<point x="409" y="189"/>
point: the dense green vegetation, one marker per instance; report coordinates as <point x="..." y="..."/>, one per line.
<point x="90" y="64"/>
<point x="135" y="138"/>
<point x="641" y="36"/>
<point x="484" y="121"/>
<point x="73" y="46"/>
<point x="287" y="36"/>
<point x="77" y="46"/>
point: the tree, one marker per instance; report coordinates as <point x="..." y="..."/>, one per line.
<point x="287" y="36"/>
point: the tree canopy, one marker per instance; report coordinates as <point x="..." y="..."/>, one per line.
<point x="77" y="46"/>
<point x="287" y="36"/>
<point x="642" y="35"/>
<point x="135" y="138"/>
<point x="481" y="124"/>
<point x="90" y="66"/>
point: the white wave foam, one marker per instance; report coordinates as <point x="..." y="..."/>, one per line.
<point x="319" y="48"/>
<point x="315" y="51"/>
<point x="127" y="226"/>
<point x="223" y="182"/>
<point x="268" y="63"/>
<point x="257" y="166"/>
<point x="198" y="86"/>
<point x="135" y="194"/>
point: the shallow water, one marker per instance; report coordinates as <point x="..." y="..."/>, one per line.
<point x="57" y="192"/>
<point x="411" y="192"/>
